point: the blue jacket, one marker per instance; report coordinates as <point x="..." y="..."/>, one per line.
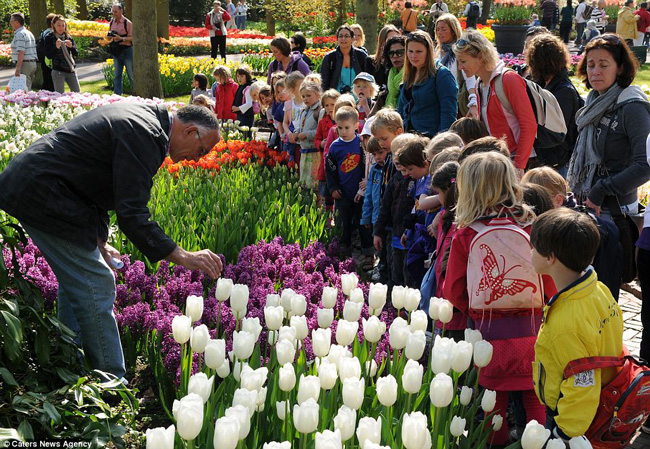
<point x="431" y="106"/>
<point x="372" y="198"/>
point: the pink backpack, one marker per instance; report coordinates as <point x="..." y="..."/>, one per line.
<point x="500" y="274"/>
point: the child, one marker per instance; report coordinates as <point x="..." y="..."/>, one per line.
<point x="484" y="145"/>
<point x="203" y="100"/>
<point x="345" y="167"/>
<point x="386" y="126"/>
<point x="534" y="21"/>
<point x="490" y="198"/>
<point x="292" y="109"/>
<point x="441" y="141"/>
<point x="469" y="129"/>
<point x="365" y="90"/>
<point x="552" y="181"/>
<point x="266" y="101"/>
<point x="326" y="122"/>
<point x="581" y="320"/>
<point x="536" y="197"/>
<point x="305" y="134"/>
<point x="224" y="93"/>
<point x="243" y="101"/>
<point x="200" y="86"/>
<point x="277" y="109"/>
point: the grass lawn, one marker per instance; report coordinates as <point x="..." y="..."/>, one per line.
<point x="99" y="87"/>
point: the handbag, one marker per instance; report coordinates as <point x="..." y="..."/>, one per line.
<point x="17" y="83"/>
<point x="115" y="49"/>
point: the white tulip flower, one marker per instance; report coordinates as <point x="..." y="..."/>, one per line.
<point x="352" y="310"/>
<point x="412" y="377"/>
<point x="415" y="431"/>
<point x="321" y="340"/>
<point x="442" y="354"/>
<point x="398" y="333"/>
<point x="308" y="388"/>
<point x="298" y="305"/>
<point x="482" y="353"/>
<point x="346" y="422"/>
<point x="369" y="430"/>
<point x="446" y="311"/>
<point x="472" y="336"/>
<point x="330" y="294"/>
<point x="371" y="368"/>
<point x="349" y="368"/>
<point x="299" y="324"/>
<point x="371" y="445"/>
<point x="397" y="296"/>
<point x="457" y="427"/>
<point x="348" y="283"/>
<point x="247" y="398"/>
<point x="555" y="443"/>
<point x="161" y="438"/>
<point x="462" y="357"/>
<point x="181" y="328"/>
<point x="239" y="299"/>
<point x="224" y="289"/>
<point x="387" y="390"/>
<point x="194" y="307"/>
<point x="285" y="299"/>
<point x="287" y="377"/>
<point x="273" y="317"/>
<point x="328" y="439"/>
<point x="412" y="299"/>
<point x="377" y="297"/>
<point x="373" y="329"/>
<point x="434" y="308"/>
<point x="353" y="392"/>
<point x="281" y="408"/>
<point x="276" y="445"/>
<point x="580" y="442"/>
<point x="261" y="398"/>
<point x="188" y="413"/>
<point x="199" y="338"/>
<point x="419" y="321"/>
<point x="356" y="295"/>
<point x="497" y="422"/>
<point x="441" y="391"/>
<point x="253" y="379"/>
<point x="466" y="395"/>
<point x="272" y="300"/>
<point x="305" y="416"/>
<point x="215" y="353"/>
<point x="346" y="332"/>
<point x="243" y="344"/>
<point x="224" y="370"/>
<point x="535" y="436"/>
<point x="489" y="400"/>
<point x="226" y="433"/>
<point x="415" y="344"/>
<point x="253" y="326"/>
<point x="288" y="333"/>
<point x="241" y="414"/>
<point x="327" y="373"/>
<point x="201" y="385"/>
<point x="285" y="352"/>
<point x="325" y="318"/>
<point x="338" y="354"/>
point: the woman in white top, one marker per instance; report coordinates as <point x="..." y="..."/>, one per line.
<point x="448" y="31"/>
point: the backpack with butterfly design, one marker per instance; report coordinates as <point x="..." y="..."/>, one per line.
<point x="500" y="274"/>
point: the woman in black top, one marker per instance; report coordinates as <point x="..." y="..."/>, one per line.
<point x="61" y="49"/>
<point x="299" y="44"/>
<point x="343" y="64"/>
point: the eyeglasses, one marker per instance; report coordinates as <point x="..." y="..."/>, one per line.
<point x="203" y="151"/>
<point x="344" y="36"/>
<point x="394" y="53"/>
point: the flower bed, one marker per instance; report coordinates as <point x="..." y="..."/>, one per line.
<point x="5" y="54"/>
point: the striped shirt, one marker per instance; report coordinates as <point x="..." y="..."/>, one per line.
<point x="23" y="41"/>
<point x="598" y="16"/>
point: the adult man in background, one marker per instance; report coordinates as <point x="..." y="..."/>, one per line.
<point x="23" y="49"/>
<point x="547" y="9"/>
<point x="583" y="13"/>
<point x="62" y="187"/>
<point x="472" y="12"/>
<point x="121" y="33"/>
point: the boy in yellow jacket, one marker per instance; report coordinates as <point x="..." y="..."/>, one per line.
<point x="581" y="320"/>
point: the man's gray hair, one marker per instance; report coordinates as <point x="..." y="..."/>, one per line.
<point x="199" y="116"/>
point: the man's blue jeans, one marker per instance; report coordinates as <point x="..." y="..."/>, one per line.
<point x="85" y="300"/>
<point x="119" y="62"/>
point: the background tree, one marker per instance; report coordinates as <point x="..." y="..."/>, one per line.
<point x="145" y="50"/>
<point x="367" y="12"/>
<point x="162" y="18"/>
<point x="37" y="14"/>
<point x="58" y="6"/>
<point x="128" y="9"/>
<point x="485" y="13"/>
<point x="82" y="10"/>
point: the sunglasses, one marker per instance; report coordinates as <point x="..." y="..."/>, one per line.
<point x="394" y="53"/>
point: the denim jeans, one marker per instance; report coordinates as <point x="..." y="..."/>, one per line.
<point x="241" y="22"/>
<point x="124" y="60"/>
<point x="85" y="299"/>
<point x="580" y="29"/>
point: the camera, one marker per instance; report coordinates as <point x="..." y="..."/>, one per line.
<point x="112" y="33"/>
<point x="346" y="89"/>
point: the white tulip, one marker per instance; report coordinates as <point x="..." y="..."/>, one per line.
<point x="369" y="430"/>
<point x="398" y="333"/>
<point x="224" y="289"/>
<point x="261" y="398"/>
<point x="272" y="338"/>
<point x="434" y="308"/>
<point x="482" y="353"/>
<point x="489" y="401"/>
<point x="580" y="442"/>
<point x="321" y="340"/>
<point x="299" y="324"/>
<point x="224" y="370"/>
<point x="555" y="443"/>
<point x="535" y="436"/>
<point x="346" y="332"/>
<point x="415" y="343"/>
<point x="287" y="379"/>
<point x="281" y="408"/>
<point x="308" y="388"/>
<point x="441" y="391"/>
<point x="327" y="373"/>
<point x="201" y="385"/>
<point x="215" y="353"/>
<point x="373" y="329"/>
<point x="328" y="439"/>
<point x="253" y="379"/>
<point x="349" y="368"/>
<point x="446" y="311"/>
<point x="285" y="352"/>
<point x="325" y="318"/>
<point x="181" y="328"/>
<point x="239" y="299"/>
<point x="371" y="368"/>
<point x="442" y="354"/>
<point x="305" y="416"/>
<point x="276" y="445"/>
<point x="353" y="392"/>
<point x="247" y="398"/>
<point x="237" y="368"/>
<point x="419" y="321"/>
<point x="298" y="305"/>
<point x="241" y="414"/>
<point x="371" y="445"/>
<point x="226" y="433"/>
<point x="288" y="333"/>
<point x="356" y="295"/>
<point x="352" y="310"/>
<point x="457" y="427"/>
<point x="272" y="300"/>
<point x="387" y="390"/>
<point x="194" y="307"/>
<point x="415" y="431"/>
<point x="338" y="354"/>
<point x="199" y="338"/>
<point x="397" y="296"/>
<point x="466" y="395"/>
<point x="377" y="297"/>
<point x="497" y="422"/>
<point x="285" y="299"/>
<point x="161" y="438"/>
<point x="412" y="377"/>
<point x="243" y="344"/>
<point x="329" y="297"/>
<point x="472" y="336"/>
<point x="188" y="413"/>
<point x="273" y="317"/>
<point x="348" y="283"/>
<point x="346" y="422"/>
<point x="462" y="357"/>
<point x="412" y="299"/>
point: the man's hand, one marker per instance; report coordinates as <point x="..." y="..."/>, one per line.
<point x="591" y="205"/>
<point x="108" y="252"/>
<point x="403" y="240"/>
<point x="376" y="240"/>
<point x="17" y="72"/>
<point x="337" y="195"/>
<point x="204" y="260"/>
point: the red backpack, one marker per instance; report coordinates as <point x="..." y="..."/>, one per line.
<point x="624" y="401"/>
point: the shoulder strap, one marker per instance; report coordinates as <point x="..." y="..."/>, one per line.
<point x="501" y="93"/>
<point x="577" y="366"/>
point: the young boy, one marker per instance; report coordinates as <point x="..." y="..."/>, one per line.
<point x="581" y="320"/>
<point x="365" y="89"/>
<point x="344" y="170"/>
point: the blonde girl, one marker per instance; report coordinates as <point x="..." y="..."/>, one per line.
<point x="224" y="93"/>
<point x="306" y="132"/>
<point x="292" y="109"/>
<point x="359" y="36"/>
<point x="488" y="188"/>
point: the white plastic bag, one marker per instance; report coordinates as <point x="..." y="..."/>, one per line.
<point x="17" y="83"/>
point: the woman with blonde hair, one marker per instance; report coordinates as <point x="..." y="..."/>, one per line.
<point x="503" y="99"/>
<point x="428" y="101"/>
<point x="359" y="37"/>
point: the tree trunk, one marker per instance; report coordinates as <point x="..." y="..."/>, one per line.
<point x="367" y="17"/>
<point x="270" y="23"/>
<point x="59" y="7"/>
<point x="146" y="72"/>
<point x="485" y="13"/>
<point x="162" y="18"/>
<point x="37" y="14"/>
<point x="82" y="9"/>
<point x="128" y="8"/>
<point x="341" y="19"/>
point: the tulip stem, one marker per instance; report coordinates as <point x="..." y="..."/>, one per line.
<point x="303" y="441"/>
<point x="372" y="357"/>
<point x="190" y="444"/>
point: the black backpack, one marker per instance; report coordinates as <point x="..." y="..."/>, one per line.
<point x="474" y="11"/>
<point x="40" y="45"/>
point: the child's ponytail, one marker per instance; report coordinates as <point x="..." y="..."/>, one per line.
<point x="444" y="179"/>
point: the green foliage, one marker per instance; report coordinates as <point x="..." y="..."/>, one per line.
<point x="228" y="210"/>
<point x="51" y="393"/>
<point x="190" y="12"/>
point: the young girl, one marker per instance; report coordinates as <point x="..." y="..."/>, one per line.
<point x="365" y="90"/>
<point x="326" y="122"/>
<point x="489" y="196"/>
<point x="277" y="109"/>
<point x="224" y="93"/>
<point x="266" y="101"/>
<point x="305" y="134"/>
<point x="291" y="111"/>
<point x="243" y="101"/>
<point x="200" y="86"/>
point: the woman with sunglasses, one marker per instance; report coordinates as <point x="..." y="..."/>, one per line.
<point x="448" y="31"/>
<point x="609" y="160"/>
<point x="378" y="66"/>
<point x="344" y="63"/>
<point x="394" y="52"/>
<point x="477" y="57"/>
<point x="428" y="101"/>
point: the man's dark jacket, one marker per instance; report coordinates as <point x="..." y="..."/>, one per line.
<point x="66" y="182"/>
